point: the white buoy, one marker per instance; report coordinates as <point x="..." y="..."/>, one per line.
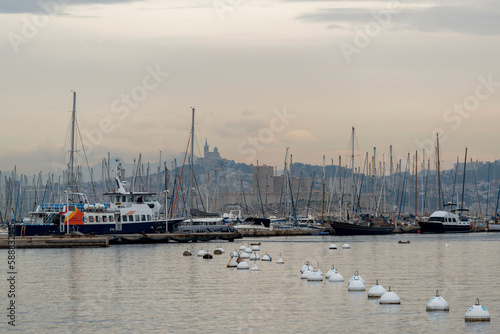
<point x="390" y="297"/>
<point x="447" y="244"/>
<point x="244" y="255"/>
<point x="201" y="253"/>
<point x="280" y="260"/>
<point x="332" y="246"/>
<point x="315" y="276"/>
<point x="255" y="248"/>
<point x="208" y="256"/>
<point x="330" y="272"/>
<point x="243" y="266"/>
<point x="306" y="272"/>
<point x="266" y="258"/>
<point x="356" y="285"/>
<point x="254" y="256"/>
<point x="376" y="291"/>
<point x="254" y="267"/>
<point x="243" y="247"/>
<point x="305" y="267"/>
<point x="359" y="277"/>
<point x="248" y="250"/>
<point x="232" y="262"/>
<point x="477" y="312"/>
<point x="346" y="246"/>
<point x="437" y="303"/>
<point x="235" y="254"/>
<point x="336" y="277"/>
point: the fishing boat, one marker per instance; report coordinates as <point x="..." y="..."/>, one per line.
<point x="363" y="225"/>
<point x="126" y="212"/>
<point x="444" y="221"/>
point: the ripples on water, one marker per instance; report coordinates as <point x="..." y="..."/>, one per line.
<point x="154" y="289"/>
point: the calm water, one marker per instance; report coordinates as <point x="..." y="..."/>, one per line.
<point x="154" y="289"/>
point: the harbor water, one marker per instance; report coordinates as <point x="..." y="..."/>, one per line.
<point x="155" y="289"/>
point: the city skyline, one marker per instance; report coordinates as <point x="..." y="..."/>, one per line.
<point x="262" y="75"/>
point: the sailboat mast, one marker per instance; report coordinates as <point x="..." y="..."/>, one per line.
<point x="352" y="169"/>
<point x="416" y="183"/>
<point x="191" y="182"/>
<point x="438" y="172"/>
<point x="463" y="180"/>
<point x="72" y="152"/>
<point x="323" y="200"/>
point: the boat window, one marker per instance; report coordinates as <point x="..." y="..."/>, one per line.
<point x="104" y="219"/>
<point x="454" y="220"/>
<point x="143" y="218"/>
<point x="137" y="218"/>
<point x="436" y="219"/>
<point x="130" y="218"/>
<point x="124" y="218"/>
<point x="124" y="199"/>
<point x="84" y="219"/>
<point x="111" y="219"/>
<point x="149" y="217"/>
<point x="97" y="219"/>
<point x="91" y="219"/>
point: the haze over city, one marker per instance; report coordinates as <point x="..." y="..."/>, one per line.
<point x="262" y="75"/>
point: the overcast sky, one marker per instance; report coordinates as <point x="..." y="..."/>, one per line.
<point x="263" y="75"/>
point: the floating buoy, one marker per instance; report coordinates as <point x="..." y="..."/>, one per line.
<point x="255" y="248"/>
<point x="235" y="254"/>
<point x="222" y="251"/>
<point x="356" y="285"/>
<point x="359" y="277"/>
<point x="243" y="247"/>
<point x="336" y="277"/>
<point x="266" y="258"/>
<point x="254" y="267"/>
<point x="390" y="297"/>
<point x="187" y="253"/>
<point x="232" y="262"/>
<point x="346" y="246"/>
<point x="254" y="256"/>
<point x="376" y="291"/>
<point x="305" y="267"/>
<point x="207" y="255"/>
<point x="280" y="260"/>
<point x="306" y="272"/>
<point x="217" y="252"/>
<point x="330" y="272"/>
<point x="243" y="266"/>
<point x="477" y="312"/>
<point x="248" y="250"/>
<point x="437" y="303"/>
<point x="447" y="244"/>
<point x="333" y="246"/>
<point x="315" y="276"/>
<point x="244" y="255"/>
<point x="201" y="253"/>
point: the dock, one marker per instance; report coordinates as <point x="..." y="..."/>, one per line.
<point x="57" y="241"/>
<point x="157" y="238"/>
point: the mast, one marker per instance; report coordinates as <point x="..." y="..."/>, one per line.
<point x="463" y="181"/>
<point x="438" y="172"/>
<point x="191" y="181"/>
<point x="416" y="183"/>
<point x="352" y="169"/>
<point x="323" y="201"/>
<point x="72" y="152"/>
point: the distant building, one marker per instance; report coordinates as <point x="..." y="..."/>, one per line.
<point x="265" y="176"/>
<point x="210" y="155"/>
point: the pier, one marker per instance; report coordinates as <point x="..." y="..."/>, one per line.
<point x="57" y="241"/>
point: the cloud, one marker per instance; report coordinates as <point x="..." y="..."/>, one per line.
<point x="37" y="6"/>
<point x="478" y="18"/>
<point x="300" y="136"/>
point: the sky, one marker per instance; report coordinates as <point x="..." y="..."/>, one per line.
<point x="262" y="75"/>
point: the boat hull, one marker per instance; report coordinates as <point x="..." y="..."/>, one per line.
<point x="494" y="227"/>
<point x="345" y="228"/>
<point x="437" y="227"/>
<point x="127" y="228"/>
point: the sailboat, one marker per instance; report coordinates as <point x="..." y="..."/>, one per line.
<point x="362" y="224"/>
